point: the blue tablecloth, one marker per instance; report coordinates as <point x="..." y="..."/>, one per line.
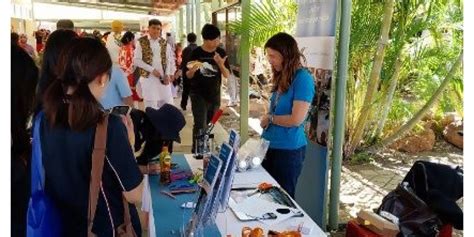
<point x="169" y="217"/>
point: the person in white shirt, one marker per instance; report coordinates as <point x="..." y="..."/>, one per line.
<point x="114" y="43"/>
<point x="155" y="60"/>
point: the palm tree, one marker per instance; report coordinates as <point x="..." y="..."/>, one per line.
<point x="419" y="115"/>
<point x="383" y="93"/>
<point x="373" y="80"/>
<point x="266" y="19"/>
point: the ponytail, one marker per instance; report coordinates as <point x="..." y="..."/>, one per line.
<point x="84" y="110"/>
<point x="78" y="111"/>
<point x="79" y="64"/>
<point x="54" y="103"/>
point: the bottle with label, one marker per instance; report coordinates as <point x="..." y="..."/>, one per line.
<point x="165" y="166"/>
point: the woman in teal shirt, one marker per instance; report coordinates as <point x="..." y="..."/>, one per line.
<point x="293" y="91"/>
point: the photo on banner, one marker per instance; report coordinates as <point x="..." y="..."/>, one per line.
<point x="315" y="34"/>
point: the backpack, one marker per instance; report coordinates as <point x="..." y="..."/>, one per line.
<point x="43" y="217"/>
<point x="414" y="218"/>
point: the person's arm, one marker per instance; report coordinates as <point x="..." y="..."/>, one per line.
<point x="185" y="59"/>
<point x="138" y="61"/>
<point x="128" y="101"/>
<point x="225" y="70"/>
<point x="124" y="88"/>
<point x="297" y="116"/>
<point x="134" y="195"/>
<point x="222" y="63"/>
<point x="190" y="73"/>
<point x="304" y="93"/>
<point x="170" y="64"/>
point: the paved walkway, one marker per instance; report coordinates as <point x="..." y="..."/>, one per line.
<point x="186" y="134"/>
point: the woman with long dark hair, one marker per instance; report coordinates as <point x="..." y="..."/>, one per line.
<point x="56" y="42"/>
<point x="71" y="114"/>
<point x="293" y="91"/>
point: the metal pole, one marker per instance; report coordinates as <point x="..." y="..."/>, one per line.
<point x="244" y="73"/>
<point x="198" y="20"/>
<point x="338" y="141"/>
<point x="189" y="24"/>
<point x="180" y="33"/>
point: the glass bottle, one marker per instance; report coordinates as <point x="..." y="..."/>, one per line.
<point x="165" y="166"/>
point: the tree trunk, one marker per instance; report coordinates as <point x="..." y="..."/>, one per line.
<point x="418" y="116"/>
<point x="373" y="79"/>
<point x="387" y="105"/>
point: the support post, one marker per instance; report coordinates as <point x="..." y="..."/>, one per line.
<point x="198" y="25"/>
<point x="244" y="73"/>
<point x="339" y="111"/>
<point x="180" y="32"/>
<point x="189" y="16"/>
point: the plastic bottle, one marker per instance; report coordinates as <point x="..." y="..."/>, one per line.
<point x="165" y="166"/>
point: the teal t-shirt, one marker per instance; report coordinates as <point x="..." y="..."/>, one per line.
<point x="302" y="89"/>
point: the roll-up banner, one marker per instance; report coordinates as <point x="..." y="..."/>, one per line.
<point x="315" y="33"/>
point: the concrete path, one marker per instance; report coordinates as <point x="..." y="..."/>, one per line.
<point x="187" y="133"/>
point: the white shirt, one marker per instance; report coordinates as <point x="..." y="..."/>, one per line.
<point x="152" y="89"/>
<point x="113" y="48"/>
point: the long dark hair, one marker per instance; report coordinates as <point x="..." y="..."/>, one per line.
<point x="23" y="84"/>
<point x="79" y="64"/>
<point x="286" y="45"/>
<point x="127" y="37"/>
<point x="56" y="42"/>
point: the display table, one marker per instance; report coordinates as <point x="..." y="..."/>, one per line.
<point x="170" y="217"/>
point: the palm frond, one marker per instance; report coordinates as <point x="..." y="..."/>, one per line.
<point x="267" y="19"/>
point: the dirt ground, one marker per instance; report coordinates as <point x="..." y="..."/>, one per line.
<point x="363" y="186"/>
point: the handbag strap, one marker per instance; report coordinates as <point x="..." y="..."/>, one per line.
<point x="98" y="158"/>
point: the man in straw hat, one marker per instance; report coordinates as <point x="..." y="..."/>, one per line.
<point x="114" y="43"/>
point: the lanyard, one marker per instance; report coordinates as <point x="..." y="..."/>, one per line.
<point x="274" y="102"/>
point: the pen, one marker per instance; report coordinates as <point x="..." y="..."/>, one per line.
<point x="168" y="194"/>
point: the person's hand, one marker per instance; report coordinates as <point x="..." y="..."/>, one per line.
<point x="219" y="60"/>
<point x="166" y="80"/>
<point x="127" y="121"/>
<point x="156" y="73"/>
<point x="265" y="121"/>
<point x="195" y="67"/>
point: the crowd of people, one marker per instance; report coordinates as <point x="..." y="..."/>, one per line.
<point x="82" y="77"/>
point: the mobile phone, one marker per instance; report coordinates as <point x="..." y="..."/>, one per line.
<point x="121" y="110"/>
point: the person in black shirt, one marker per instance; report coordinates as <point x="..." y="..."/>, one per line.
<point x="23" y="84"/>
<point x="71" y="114"/>
<point x="186" y="56"/>
<point x="206" y="76"/>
